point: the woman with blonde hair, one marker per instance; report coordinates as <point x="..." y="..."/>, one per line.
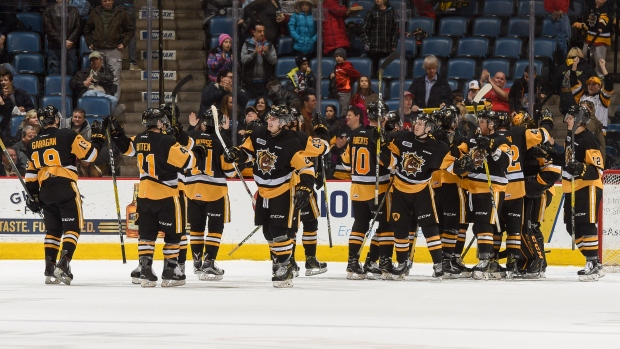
<point x="29" y="119"/>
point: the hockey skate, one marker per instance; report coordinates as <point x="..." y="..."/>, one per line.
<point x="496" y="271"/>
<point x="512" y="271"/>
<point x="50" y="279"/>
<point x="135" y="275"/>
<point x="371" y="268"/>
<point x="210" y="271"/>
<point x="314" y="267"/>
<point x="355" y="270"/>
<point x="172" y="275"/>
<point x="295" y="267"/>
<point x="438" y="271"/>
<point x="147" y="275"/>
<point x="457" y="262"/>
<point x="399" y="272"/>
<point x="450" y="271"/>
<point x="197" y="267"/>
<point x="387" y="268"/>
<point x="592" y="272"/>
<point x="481" y="270"/>
<point x="283" y="275"/>
<point x="63" y="270"/>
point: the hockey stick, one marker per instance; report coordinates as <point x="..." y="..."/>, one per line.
<point x="329" y="225"/>
<point x="219" y="136"/>
<point x="176" y="91"/>
<point x="374" y="219"/>
<point x="495" y="214"/>
<point x="244" y="240"/>
<point x="479" y="96"/>
<point x="19" y="176"/>
<point x="572" y="183"/>
<point x="118" y="206"/>
<point x="412" y="252"/>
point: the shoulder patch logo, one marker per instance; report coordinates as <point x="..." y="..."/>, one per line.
<point x="412" y="163"/>
<point x="395" y="216"/>
<point x="407" y="144"/>
<point x="265" y="161"/>
<point x="261" y="141"/>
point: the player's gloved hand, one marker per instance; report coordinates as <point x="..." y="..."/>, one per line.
<point x="176" y="130"/>
<point x="378" y="136"/>
<point x="533" y="189"/>
<point x="116" y="128"/>
<point x="317" y="119"/>
<point x="440" y="134"/>
<point x="576" y="168"/>
<point x="463" y="165"/>
<point x="482" y="142"/>
<point x="33" y="204"/>
<point x="235" y="154"/>
<point x="200" y="153"/>
<point x="302" y="196"/>
<point x="544" y="151"/>
<point x="97" y="132"/>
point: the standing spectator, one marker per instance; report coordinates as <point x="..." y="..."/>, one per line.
<point x="301" y="27"/>
<point x="380" y="32"/>
<point x="30" y="119"/>
<point x="594" y="92"/>
<point x="302" y="78"/>
<point x="53" y="27"/>
<point x="28" y="133"/>
<point x="599" y="33"/>
<point x="269" y="14"/>
<point x="345" y="74"/>
<point x="561" y="83"/>
<point x="498" y="96"/>
<point x="334" y="29"/>
<point x="557" y="12"/>
<point x="518" y="97"/>
<point x="430" y="90"/>
<point x="213" y="93"/>
<point x="308" y="109"/>
<point x="94" y="81"/>
<point x="131" y="49"/>
<point x="7" y="169"/>
<point x="109" y="30"/>
<point x="262" y="107"/>
<point x="14" y="102"/>
<point x="364" y="94"/>
<point x="220" y="58"/>
<point x="258" y="59"/>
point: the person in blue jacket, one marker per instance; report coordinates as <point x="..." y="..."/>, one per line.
<point x="302" y="28"/>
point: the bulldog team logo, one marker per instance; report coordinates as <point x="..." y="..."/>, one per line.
<point x="478" y="157"/>
<point x="412" y="163"/>
<point x="265" y="161"/>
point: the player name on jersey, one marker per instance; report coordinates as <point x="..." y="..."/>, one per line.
<point x="168" y="54"/>
<point x="155" y="96"/>
<point x="168" y="75"/>
<point x="166" y="14"/>
<point x="167" y="34"/>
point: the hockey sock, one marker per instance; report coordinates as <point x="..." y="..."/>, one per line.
<point x="308" y="239"/>
<point x="433" y="242"/>
<point x="183" y="249"/>
<point x="212" y="243"/>
<point x="375" y="250"/>
<point x="146" y="248"/>
<point x="588" y="245"/>
<point x="448" y="242"/>
<point x="386" y="243"/>
<point x="171" y="251"/>
<point x="69" y="242"/>
<point x="51" y="245"/>
<point x="412" y="235"/>
<point x="282" y="247"/>
<point x="485" y="243"/>
<point x="355" y="243"/>
<point x="197" y="244"/>
<point x="497" y="244"/>
<point x="401" y="243"/>
<point x="513" y="244"/>
<point x="460" y="240"/>
<point x="272" y="255"/>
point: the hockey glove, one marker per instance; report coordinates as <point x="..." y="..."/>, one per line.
<point x="235" y="154"/>
<point x="533" y="189"/>
<point x="116" y="128"/>
<point x="33" y="204"/>
<point x="463" y="165"/>
<point x="97" y="132"/>
<point x="379" y="136"/>
<point x="200" y="154"/>
<point x="176" y="130"/>
<point x="575" y="168"/>
<point x="482" y="142"/>
<point x="302" y="196"/>
<point x="544" y="151"/>
<point x="322" y="132"/>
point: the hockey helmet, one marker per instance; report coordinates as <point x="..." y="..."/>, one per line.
<point x="253" y="125"/>
<point x="167" y="108"/>
<point x="580" y="113"/>
<point x="523" y="118"/>
<point x="208" y="119"/>
<point x="429" y="122"/>
<point x="281" y="113"/>
<point x="296" y="117"/>
<point x="393" y="122"/>
<point x="48" y="115"/>
<point x="152" y="116"/>
<point x="447" y="117"/>
<point x="374" y="112"/>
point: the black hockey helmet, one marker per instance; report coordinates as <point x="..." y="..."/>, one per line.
<point x="208" y="119"/>
<point x="428" y="122"/>
<point x="523" y="118"/>
<point x="447" y="117"/>
<point x="393" y="121"/>
<point x="374" y="112"/>
<point x="281" y="113"/>
<point x="167" y="108"/>
<point x="580" y="113"/>
<point x="151" y="116"/>
<point x="296" y="116"/>
<point x="48" y="115"/>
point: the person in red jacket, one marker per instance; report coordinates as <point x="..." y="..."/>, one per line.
<point x="345" y="74"/>
<point x="334" y="29"/>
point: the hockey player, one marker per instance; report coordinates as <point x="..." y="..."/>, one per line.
<point x="584" y="167"/>
<point x="279" y="158"/>
<point x="51" y="180"/>
<point x="360" y="159"/>
<point x="160" y="158"/>
<point x="486" y="160"/>
<point x="417" y="155"/>
<point x="207" y="198"/>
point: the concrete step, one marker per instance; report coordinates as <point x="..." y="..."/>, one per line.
<point x="176" y="24"/>
<point x="179" y="65"/>
<point x="185" y="34"/>
<point x="169" y="85"/>
<point x="177" y="5"/>
<point x="185" y="44"/>
<point x="198" y="75"/>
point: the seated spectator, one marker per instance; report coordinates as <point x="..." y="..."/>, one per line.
<point x="94" y="81"/>
<point x="213" y="93"/>
<point x="430" y="90"/>
<point x="31" y="119"/>
<point x="258" y="59"/>
<point x="364" y="94"/>
<point x="334" y="123"/>
<point x="262" y="107"/>
<point x="302" y="78"/>
<point x="28" y="133"/>
<point x="280" y="95"/>
<point x="518" y="97"/>
<point x="409" y="117"/>
<point x="7" y="169"/>
<point x="561" y="84"/>
<point x="220" y="58"/>
<point x="474" y="87"/>
<point x="308" y="109"/>
<point x="334" y="30"/>
<point x="226" y="107"/>
<point x="53" y="31"/>
<point x="14" y="102"/>
<point x="78" y="123"/>
<point x="498" y="96"/>
<point x="345" y="74"/>
<point x="302" y="29"/>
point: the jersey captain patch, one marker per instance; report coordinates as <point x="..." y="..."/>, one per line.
<point x="412" y="163"/>
<point x="266" y="161"/>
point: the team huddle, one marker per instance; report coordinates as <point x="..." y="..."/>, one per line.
<point x="493" y="171"/>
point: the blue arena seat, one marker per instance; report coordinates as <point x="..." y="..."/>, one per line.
<point x="393" y="69"/>
<point x="393" y="104"/>
<point x="473" y="47"/>
<point x="84" y="50"/>
<point x="489" y="27"/>
<point x="521" y="64"/>
<point x="95" y="106"/>
<point x="214" y="42"/>
<point x="23" y="42"/>
<point x="518" y="27"/>
<point x="452" y="26"/>
<point x="394" y="87"/>
<point x="493" y="65"/>
<point x="56" y="101"/>
<point x="15" y="123"/>
<point x="84" y="62"/>
<point x="508" y="48"/>
<point x="284" y="65"/>
<point x="362" y="65"/>
<point x="324" y="88"/>
<point x="461" y="68"/>
<point x="454" y="85"/>
<point x="29" y="63"/>
<point x="28" y="83"/>
<point x="524" y="8"/>
<point x="327" y="66"/>
<point x="504" y="8"/>
<point x="32" y="21"/>
<point x="411" y="47"/>
<point x="438" y="46"/>
<point x="219" y="25"/>
<point x="285" y="46"/>
<point x="52" y="85"/>
<point x="547" y="29"/>
<point x="545" y="47"/>
<point x="424" y="23"/>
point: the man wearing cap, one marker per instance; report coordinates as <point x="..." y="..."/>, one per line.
<point x="473" y="88"/>
<point x="408" y="118"/>
<point x="498" y="96"/>
<point x="94" y="81"/>
<point x="302" y="77"/>
<point x="594" y="92"/>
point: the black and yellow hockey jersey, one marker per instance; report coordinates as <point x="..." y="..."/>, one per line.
<point x="277" y="160"/>
<point x="360" y="159"/>
<point x="340" y="171"/>
<point x="416" y="161"/>
<point x="208" y="183"/>
<point x="587" y="151"/>
<point x="54" y="152"/>
<point x="498" y="159"/>
<point x="444" y="176"/>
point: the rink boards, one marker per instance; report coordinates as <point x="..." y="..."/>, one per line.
<point x="21" y="232"/>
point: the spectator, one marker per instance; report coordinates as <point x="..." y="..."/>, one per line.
<point x="498" y="96"/>
<point x="345" y="74"/>
<point x="474" y="87"/>
<point x="7" y="169"/>
<point x="31" y="119"/>
<point x="302" y="78"/>
<point x="594" y="92"/>
<point x="269" y="14"/>
<point x="262" y="107"/>
<point x="557" y="12"/>
<point x="28" y="133"/>
<point x="258" y="58"/>
<point x="518" y="97"/>
<point x="14" y="102"/>
<point x="78" y="123"/>
<point x="280" y="95"/>
<point x="364" y="94"/>
<point x="220" y="58"/>
<point x="301" y="27"/>
<point x="250" y="115"/>
<point x="561" y="83"/>
<point x="599" y="32"/>
<point x="94" y="81"/>
<point x="409" y="116"/>
<point x="213" y="93"/>
<point x="53" y="28"/>
<point x="334" y="123"/>
<point x="308" y="109"/>
<point x="380" y="32"/>
<point x="430" y="90"/>
<point x="226" y="107"/>
<point x="425" y="8"/>
<point x="334" y="29"/>
<point x="109" y="30"/>
<point x="215" y="8"/>
<point x="131" y="48"/>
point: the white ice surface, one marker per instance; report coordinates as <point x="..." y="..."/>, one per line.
<point x="102" y="309"/>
